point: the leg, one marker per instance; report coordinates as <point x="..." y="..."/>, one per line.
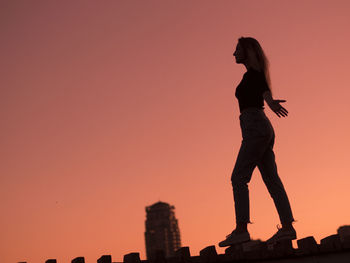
<point x="248" y="157"/>
<point x="268" y="170"/>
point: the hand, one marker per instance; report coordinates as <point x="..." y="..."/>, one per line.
<point x="276" y="107"/>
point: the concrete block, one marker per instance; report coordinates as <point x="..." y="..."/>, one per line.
<point x="330" y="244"/>
<point x="105" y="259"/>
<point x="251" y="255"/>
<point x="172" y="259"/>
<point x="208" y="255"/>
<point x="183" y="254"/>
<point x="270" y="246"/>
<point x="78" y="260"/>
<point x="225" y="258"/>
<point x="235" y="251"/>
<point x="159" y="256"/>
<point x="132" y="258"/>
<point x="307" y="245"/>
<point x="250" y="245"/>
<point x="264" y="250"/>
<point x="254" y="249"/>
<point x="229" y="250"/>
<point x="282" y="248"/>
<point x="196" y="259"/>
<point x="346" y="242"/>
<point x="344" y="235"/>
<point x="51" y="261"/>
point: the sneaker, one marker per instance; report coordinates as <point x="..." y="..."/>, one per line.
<point x="282" y="234"/>
<point x="235" y="238"/>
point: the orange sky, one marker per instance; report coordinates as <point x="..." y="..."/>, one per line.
<point x="108" y="107"/>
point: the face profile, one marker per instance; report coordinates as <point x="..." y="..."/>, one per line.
<point x="239" y="54"/>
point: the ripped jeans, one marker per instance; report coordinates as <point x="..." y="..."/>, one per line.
<point x="257" y="150"/>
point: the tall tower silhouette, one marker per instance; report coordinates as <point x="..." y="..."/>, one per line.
<point x="162" y="231"/>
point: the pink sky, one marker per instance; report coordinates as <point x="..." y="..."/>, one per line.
<point x="108" y="107"/>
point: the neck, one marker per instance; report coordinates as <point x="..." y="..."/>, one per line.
<point x="248" y="67"/>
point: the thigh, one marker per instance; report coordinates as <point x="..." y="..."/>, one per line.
<point x="249" y="155"/>
<point x="257" y="128"/>
<point x="267" y="166"/>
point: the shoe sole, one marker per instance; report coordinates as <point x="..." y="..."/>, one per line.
<point x="227" y="243"/>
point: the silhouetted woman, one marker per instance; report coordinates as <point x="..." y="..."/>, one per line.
<point x="257" y="144"/>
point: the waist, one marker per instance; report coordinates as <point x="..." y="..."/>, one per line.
<point x="248" y="113"/>
<point x="252" y="110"/>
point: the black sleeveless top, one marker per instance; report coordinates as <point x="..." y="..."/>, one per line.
<point x="249" y="91"/>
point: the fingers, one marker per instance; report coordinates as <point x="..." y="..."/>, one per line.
<point x="278" y="109"/>
<point x="284" y="111"/>
<point x="281" y="112"/>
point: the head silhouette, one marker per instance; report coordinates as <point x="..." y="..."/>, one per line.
<point x="250" y="53"/>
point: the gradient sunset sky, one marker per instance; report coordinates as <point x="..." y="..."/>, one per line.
<point x="110" y="106"/>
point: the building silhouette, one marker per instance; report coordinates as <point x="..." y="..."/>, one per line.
<point x="162" y="231"/>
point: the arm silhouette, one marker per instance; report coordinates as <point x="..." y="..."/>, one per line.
<point x="275" y="105"/>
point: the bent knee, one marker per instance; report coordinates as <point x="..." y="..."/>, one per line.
<point x="238" y="179"/>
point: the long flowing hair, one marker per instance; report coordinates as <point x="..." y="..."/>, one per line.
<point x="256" y="57"/>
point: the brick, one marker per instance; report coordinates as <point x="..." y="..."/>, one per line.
<point x="250" y="245"/>
<point x="269" y="246"/>
<point x="78" y="260"/>
<point x="330" y="244"/>
<point x="159" y="256"/>
<point x="132" y="258"/>
<point x="208" y="255"/>
<point x="346" y="242"/>
<point x="196" y="259"/>
<point x="230" y="250"/>
<point x="172" y="259"/>
<point x="105" y="259"/>
<point x="225" y="258"/>
<point x="183" y="254"/>
<point x="265" y="252"/>
<point x="344" y="235"/>
<point x="282" y="248"/>
<point x="307" y="245"/>
<point x="235" y="251"/>
<point x="254" y="249"/>
<point x="251" y="255"/>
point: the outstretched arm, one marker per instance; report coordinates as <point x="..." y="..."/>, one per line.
<point x="275" y="105"/>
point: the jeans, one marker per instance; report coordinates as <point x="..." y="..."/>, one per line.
<point x="257" y="150"/>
